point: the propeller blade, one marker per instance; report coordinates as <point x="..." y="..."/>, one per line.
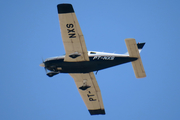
<point x="42" y="64"/>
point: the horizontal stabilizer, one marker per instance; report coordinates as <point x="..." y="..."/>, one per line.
<point x="134" y="52"/>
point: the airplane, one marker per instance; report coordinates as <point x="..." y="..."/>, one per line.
<point x="80" y="63"/>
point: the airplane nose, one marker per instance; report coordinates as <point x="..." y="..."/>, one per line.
<point x="42" y="65"/>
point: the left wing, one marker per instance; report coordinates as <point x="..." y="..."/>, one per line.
<point x="90" y="92"/>
<point x="71" y="33"/>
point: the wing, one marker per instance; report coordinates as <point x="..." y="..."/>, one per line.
<point x="71" y="33"/>
<point x="90" y="92"/>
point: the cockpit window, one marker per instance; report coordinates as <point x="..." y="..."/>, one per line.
<point x="92" y="52"/>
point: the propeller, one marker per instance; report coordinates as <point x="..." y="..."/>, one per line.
<point x="51" y="73"/>
<point x="43" y="65"/>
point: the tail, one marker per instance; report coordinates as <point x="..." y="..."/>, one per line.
<point x="134" y="51"/>
<point x="140" y="46"/>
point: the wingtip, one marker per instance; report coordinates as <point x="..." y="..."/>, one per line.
<point x="65" y="8"/>
<point x="97" y="112"/>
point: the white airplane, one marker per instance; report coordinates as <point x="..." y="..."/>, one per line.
<point x="80" y="63"/>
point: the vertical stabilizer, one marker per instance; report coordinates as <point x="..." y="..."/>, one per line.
<point x="134" y="52"/>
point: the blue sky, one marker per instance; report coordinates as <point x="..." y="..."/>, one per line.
<point x="30" y="31"/>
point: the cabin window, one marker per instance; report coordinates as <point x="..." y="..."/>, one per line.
<point x="92" y="52"/>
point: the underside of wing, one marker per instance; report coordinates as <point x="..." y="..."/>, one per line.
<point x="71" y="33"/>
<point x="90" y="92"/>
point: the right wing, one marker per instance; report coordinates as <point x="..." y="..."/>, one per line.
<point x="71" y="33"/>
<point x="89" y="91"/>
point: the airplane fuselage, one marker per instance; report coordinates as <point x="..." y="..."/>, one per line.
<point x="96" y="62"/>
